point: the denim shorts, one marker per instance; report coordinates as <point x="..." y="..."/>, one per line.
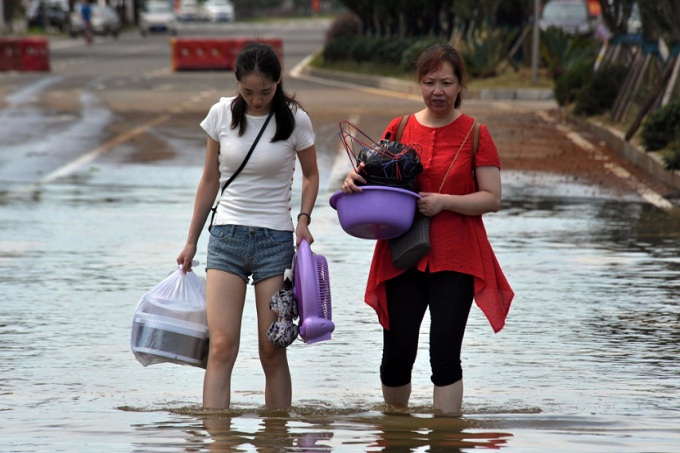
<point x="245" y="251"/>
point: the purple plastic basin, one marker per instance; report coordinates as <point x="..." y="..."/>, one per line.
<point x="378" y="212"/>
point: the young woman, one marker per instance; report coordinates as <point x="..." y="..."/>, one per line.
<point x="461" y="264"/>
<point x="252" y="233"/>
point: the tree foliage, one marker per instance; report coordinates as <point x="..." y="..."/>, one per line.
<point x="438" y="18"/>
<point x="616" y="14"/>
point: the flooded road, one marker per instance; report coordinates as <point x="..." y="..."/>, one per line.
<point x="587" y="361"/>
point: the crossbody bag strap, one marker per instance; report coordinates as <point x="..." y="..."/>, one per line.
<point x="243" y="164"/>
<point x="460" y="148"/>
<point x="475" y="146"/>
<point x="475" y="143"/>
<point x="402" y="126"/>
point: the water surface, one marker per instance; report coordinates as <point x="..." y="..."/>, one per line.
<point x="587" y="361"/>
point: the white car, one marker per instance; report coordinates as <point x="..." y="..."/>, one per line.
<point x="187" y="10"/>
<point x="570" y="16"/>
<point x="158" y="16"/>
<point x="218" y="10"/>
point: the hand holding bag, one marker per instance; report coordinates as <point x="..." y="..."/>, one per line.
<point x="170" y="323"/>
<point x="409" y="248"/>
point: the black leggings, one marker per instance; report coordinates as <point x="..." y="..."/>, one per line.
<point x="449" y="297"/>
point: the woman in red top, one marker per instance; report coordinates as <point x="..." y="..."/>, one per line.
<point x="461" y="265"/>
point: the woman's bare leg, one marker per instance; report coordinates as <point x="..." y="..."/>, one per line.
<point x="278" y="387"/>
<point x="397" y="396"/>
<point x="449" y="398"/>
<point x="225" y="296"/>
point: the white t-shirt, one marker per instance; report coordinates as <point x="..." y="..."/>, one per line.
<point x="260" y="196"/>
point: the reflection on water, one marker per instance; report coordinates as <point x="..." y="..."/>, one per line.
<point x="587" y="361"/>
<point x="310" y="430"/>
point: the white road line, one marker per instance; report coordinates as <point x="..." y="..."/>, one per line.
<point x="102" y="150"/>
<point x="91" y="155"/>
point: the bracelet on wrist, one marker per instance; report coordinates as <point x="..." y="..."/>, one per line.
<point x="309" y="217"/>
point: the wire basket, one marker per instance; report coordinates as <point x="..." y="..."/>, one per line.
<point x="385" y="163"/>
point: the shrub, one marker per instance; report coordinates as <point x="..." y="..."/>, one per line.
<point x="389" y="50"/>
<point x="338" y="49"/>
<point x="343" y="26"/>
<point x="362" y="48"/>
<point x="568" y="84"/>
<point x="483" y="53"/>
<point x="671" y="158"/>
<point x="412" y="52"/>
<point x="662" y="127"/>
<point x="561" y="51"/>
<point x="599" y="93"/>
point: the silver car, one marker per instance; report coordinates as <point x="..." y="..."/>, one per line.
<point x="570" y="16"/>
<point x="158" y="16"/>
<point x="218" y="10"/>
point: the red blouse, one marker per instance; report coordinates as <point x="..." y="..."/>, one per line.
<point x="459" y="242"/>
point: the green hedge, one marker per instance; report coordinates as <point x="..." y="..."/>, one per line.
<point x="662" y="127"/>
<point x="392" y="52"/>
<point x="600" y="91"/>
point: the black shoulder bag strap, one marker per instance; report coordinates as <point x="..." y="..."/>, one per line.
<point x="238" y="170"/>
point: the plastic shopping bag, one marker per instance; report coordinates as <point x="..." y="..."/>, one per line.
<point x="170" y="325"/>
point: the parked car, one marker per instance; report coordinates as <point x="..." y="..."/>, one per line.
<point x="48" y="14"/>
<point x="158" y="16"/>
<point x="105" y="21"/>
<point x="187" y="10"/>
<point x="218" y="10"/>
<point x="571" y="16"/>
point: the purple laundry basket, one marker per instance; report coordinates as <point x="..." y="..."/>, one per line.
<point x="377" y="212"/>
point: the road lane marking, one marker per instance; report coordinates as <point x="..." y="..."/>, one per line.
<point x="102" y="150"/>
<point x="90" y="156"/>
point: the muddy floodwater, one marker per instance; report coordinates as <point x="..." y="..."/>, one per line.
<point x="588" y="360"/>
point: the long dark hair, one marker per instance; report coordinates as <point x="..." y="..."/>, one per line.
<point x="262" y="59"/>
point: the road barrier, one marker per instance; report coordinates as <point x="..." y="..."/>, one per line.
<point x="24" y="54"/>
<point x="213" y="53"/>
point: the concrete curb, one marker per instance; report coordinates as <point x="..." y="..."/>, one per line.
<point x="404" y="86"/>
<point x="651" y="163"/>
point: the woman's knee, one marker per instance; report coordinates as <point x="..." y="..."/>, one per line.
<point x="395" y="376"/>
<point x="395" y="369"/>
<point x="272" y="357"/>
<point x="223" y="348"/>
<point x="446" y="374"/>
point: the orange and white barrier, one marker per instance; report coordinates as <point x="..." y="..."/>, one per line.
<point x="24" y="54"/>
<point x="213" y="53"/>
